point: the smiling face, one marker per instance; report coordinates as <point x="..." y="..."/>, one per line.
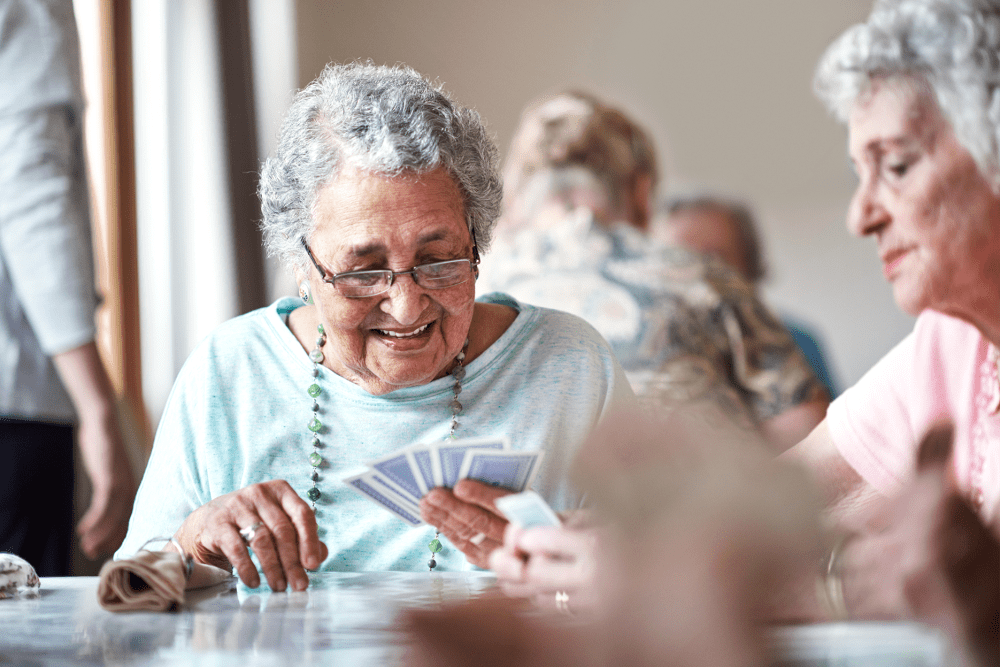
<point x="921" y="196"/>
<point x="409" y="335"/>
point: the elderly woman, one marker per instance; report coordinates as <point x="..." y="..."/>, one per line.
<point x="917" y="85"/>
<point x="380" y="196"/>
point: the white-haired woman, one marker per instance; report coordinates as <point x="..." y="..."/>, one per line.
<point x="919" y="87"/>
<point x="379" y="197"/>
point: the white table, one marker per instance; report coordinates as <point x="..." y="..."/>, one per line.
<point x="343" y="619"/>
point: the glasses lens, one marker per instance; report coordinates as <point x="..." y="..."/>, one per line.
<point x="443" y="274"/>
<point x="362" y="283"/>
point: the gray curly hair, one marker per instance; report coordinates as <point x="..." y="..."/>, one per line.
<point x="951" y="46"/>
<point x="387" y="120"/>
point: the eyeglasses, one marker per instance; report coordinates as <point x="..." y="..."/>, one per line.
<point x="438" y="275"/>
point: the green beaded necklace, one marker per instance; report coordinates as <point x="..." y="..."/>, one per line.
<point x="458" y="372"/>
<point x="315" y="425"/>
<point x="314" y="390"/>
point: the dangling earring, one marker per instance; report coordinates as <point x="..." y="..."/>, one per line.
<point x="304" y="292"/>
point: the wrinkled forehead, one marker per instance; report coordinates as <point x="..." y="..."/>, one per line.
<point x="899" y="108"/>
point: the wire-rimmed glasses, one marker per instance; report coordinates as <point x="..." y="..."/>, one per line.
<point x="361" y="284"/>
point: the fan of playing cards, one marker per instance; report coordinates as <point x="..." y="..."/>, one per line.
<point x="398" y="481"/>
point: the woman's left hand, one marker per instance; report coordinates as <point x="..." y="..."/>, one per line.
<point x="467" y="516"/>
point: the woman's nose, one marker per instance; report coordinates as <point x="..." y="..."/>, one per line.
<point x="866" y="213"/>
<point x="405" y="299"/>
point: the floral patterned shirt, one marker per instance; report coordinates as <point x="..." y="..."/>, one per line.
<point x="684" y="327"/>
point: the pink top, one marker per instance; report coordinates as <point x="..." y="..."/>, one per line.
<point x="945" y="369"/>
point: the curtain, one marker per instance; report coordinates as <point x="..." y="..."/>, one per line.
<point x="197" y="157"/>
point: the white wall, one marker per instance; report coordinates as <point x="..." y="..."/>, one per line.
<point x="723" y="85"/>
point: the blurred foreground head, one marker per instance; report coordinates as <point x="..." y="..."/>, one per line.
<point x="577" y="130"/>
<point x="701" y="532"/>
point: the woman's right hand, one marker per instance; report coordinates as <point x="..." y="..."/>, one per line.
<point x="542" y="562"/>
<point x="286" y="545"/>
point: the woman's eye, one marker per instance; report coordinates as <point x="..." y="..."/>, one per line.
<point x="899" y="168"/>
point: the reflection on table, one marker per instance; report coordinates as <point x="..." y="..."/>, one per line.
<point x="344" y="618"/>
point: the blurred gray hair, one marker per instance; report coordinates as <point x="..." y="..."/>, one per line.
<point x="386" y="120"/>
<point x="952" y="46"/>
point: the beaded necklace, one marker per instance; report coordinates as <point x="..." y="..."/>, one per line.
<point x="315" y="425"/>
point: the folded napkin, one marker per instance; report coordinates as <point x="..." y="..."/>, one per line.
<point x="153" y="581"/>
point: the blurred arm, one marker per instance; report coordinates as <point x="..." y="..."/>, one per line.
<point x="848" y="498"/>
<point x="794" y="424"/>
<point x="103" y="527"/>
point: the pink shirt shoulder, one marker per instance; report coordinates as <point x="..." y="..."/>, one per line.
<point x="944" y="369"/>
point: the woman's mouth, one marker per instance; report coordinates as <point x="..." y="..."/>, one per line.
<point x="401" y="334"/>
<point x="891" y="262"/>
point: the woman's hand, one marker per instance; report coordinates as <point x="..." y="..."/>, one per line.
<point x="542" y="562"/>
<point x="286" y="544"/>
<point x="467" y="516"/>
<point x="928" y="556"/>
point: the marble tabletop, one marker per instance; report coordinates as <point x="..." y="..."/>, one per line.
<point x="343" y="619"/>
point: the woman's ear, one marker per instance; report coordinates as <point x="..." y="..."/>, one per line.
<point x="305" y="289"/>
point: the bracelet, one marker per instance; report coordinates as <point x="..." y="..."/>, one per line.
<point x="830" y="583"/>
<point x="186" y="559"/>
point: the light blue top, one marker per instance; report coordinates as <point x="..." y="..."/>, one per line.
<point x="239" y="409"/>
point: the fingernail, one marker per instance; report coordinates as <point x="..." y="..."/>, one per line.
<point x="301" y="584"/>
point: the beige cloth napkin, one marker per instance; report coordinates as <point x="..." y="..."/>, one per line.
<point x="152" y="581"/>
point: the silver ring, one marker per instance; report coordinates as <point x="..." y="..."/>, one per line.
<point x="562" y="602"/>
<point x="250" y="532"/>
<point x="478" y="538"/>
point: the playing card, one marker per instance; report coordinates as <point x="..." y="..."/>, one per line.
<point x="527" y="509"/>
<point x="373" y="486"/>
<point x="451" y="455"/>
<point x="422" y="459"/>
<point x="513" y="471"/>
<point x="396" y="468"/>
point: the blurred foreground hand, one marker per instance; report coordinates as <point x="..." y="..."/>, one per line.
<point x="696" y="530"/>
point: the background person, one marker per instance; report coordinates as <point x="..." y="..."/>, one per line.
<point x="51" y="376"/>
<point x="379" y="197"/>
<point x="728" y="230"/>
<point x="579" y="180"/>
